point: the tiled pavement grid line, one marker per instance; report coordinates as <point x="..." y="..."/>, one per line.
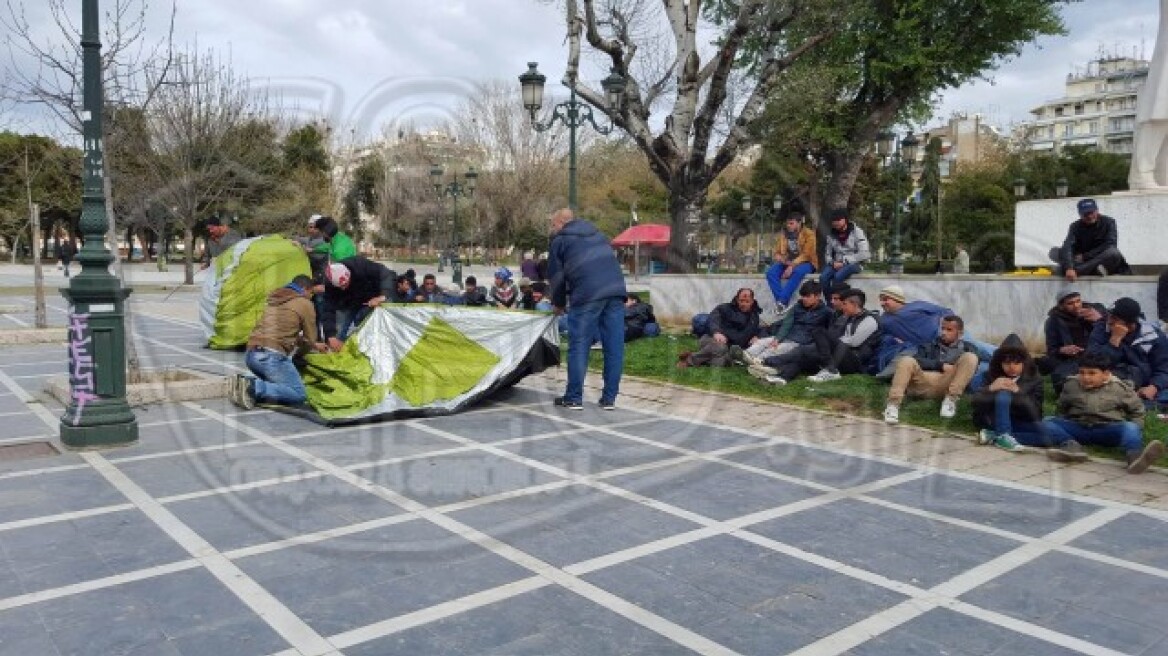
<point x="598" y="578"/>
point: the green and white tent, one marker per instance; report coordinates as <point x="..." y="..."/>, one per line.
<point x="421" y="360"/>
<point x="238" y="283"/>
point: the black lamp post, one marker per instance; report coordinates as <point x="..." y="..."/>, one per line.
<point x="1060" y="188"/>
<point x="98" y="413"/>
<point x="901" y="159"/>
<point x="757" y="214"/>
<point x="455" y="190"/>
<point x="572" y="113"/>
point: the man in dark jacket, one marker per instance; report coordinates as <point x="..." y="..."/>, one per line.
<point x="1137" y="347"/>
<point x="1091" y="247"/>
<point x="585" y="277"/>
<point x="731" y="324"/>
<point x="355" y="286"/>
<point x="286" y="328"/>
<point x="1068" y="330"/>
<point x="639" y="319"/>
<point x="472" y="294"/>
<point x="220" y="237"/>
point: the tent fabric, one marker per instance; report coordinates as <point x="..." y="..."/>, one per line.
<point x="238" y="283"/>
<point x="423" y="360"/>
<point x="646" y="234"/>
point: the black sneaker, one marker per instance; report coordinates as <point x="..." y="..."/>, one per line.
<point x="565" y="403"/>
<point x="607" y="405"/>
<point x="1069" y="451"/>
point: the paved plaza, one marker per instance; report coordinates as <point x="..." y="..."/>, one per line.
<point x="683" y="522"/>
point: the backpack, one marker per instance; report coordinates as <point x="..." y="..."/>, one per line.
<point x="700" y="324"/>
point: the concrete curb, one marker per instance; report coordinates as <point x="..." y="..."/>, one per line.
<point x="158" y="386"/>
<point x="55" y="335"/>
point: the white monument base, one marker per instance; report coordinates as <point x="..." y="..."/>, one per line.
<point x="1142" y="217"/>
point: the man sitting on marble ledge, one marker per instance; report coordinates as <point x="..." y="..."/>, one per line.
<point x="1091" y="247"/>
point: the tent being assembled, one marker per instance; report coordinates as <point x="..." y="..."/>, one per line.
<point x="420" y="360"/>
<point x="238" y="283"/>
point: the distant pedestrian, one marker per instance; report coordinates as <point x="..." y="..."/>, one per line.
<point x="65" y="252"/>
<point x="961" y="259"/>
<point x="220" y="237"/>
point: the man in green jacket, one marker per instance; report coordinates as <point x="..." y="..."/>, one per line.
<point x="337" y="244"/>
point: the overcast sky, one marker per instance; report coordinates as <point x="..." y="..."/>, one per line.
<point x="375" y="63"/>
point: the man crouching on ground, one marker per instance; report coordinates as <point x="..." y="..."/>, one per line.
<point x="287" y="327"/>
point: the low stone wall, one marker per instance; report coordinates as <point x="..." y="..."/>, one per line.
<point x="992" y="306"/>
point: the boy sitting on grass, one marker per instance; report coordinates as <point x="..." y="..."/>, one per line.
<point x="1099" y="409"/>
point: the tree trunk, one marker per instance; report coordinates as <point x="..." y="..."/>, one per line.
<point x="189" y="256"/>
<point x="685" y="212"/>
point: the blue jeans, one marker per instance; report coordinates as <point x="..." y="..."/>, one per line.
<point x="831" y="277"/>
<point x="1030" y="433"/>
<point x="277" y="380"/>
<point x="785" y="289"/>
<point x="604" y="317"/>
<point x="1123" y="434"/>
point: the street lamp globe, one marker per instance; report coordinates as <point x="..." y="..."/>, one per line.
<point x="746" y="204"/>
<point x="908" y="148"/>
<point x="777" y="203"/>
<point x="1019" y="188"/>
<point x="436" y="177"/>
<point x="532" y="84"/>
<point x="614" y="88"/>
<point x="472" y="177"/>
<point x="885" y="142"/>
<point x="1060" y="187"/>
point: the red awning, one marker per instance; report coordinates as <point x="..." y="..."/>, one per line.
<point x="646" y="234"/>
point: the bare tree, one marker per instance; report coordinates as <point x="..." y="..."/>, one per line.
<point x="687" y="153"/>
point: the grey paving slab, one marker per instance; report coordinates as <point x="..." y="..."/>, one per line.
<point x="191" y="472"/>
<point x="27" y="425"/>
<point x="916" y="550"/>
<point x="23" y="632"/>
<point x="743" y="596"/>
<point x="545" y="622"/>
<point x="372" y="443"/>
<point x="46" y="366"/>
<point x="1028" y="513"/>
<point x="714" y="490"/>
<point x="572" y="524"/>
<point x="517" y="395"/>
<point x="184" y="613"/>
<point x="495" y="426"/>
<point x="12" y="403"/>
<point x="340" y="585"/>
<point x="44" y="354"/>
<point x="182" y="435"/>
<point x="818" y="465"/>
<point x="277" y="512"/>
<point x="53" y="493"/>
<point x="942" y="632"/>
<point x="590" y="452"/>
<point x="439" y="480"/>
<point x="1138" y="538"/>
<point x="693" y="436"/>
<point x="63" y="553"/>
<point x="1104" y="604"/>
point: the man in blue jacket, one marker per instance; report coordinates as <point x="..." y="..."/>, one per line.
<point x="585" y="277"/>
<point x="1137" y="348"/>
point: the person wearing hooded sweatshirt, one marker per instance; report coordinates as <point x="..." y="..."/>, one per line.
<point x="286" y="328"/>
<point x="731" y="324"/>
<point x="847" y="251"/>
<point x="1137" y="347"/>
<point x="585" y="278"/>
<point x="355" y="286"/>
<point x="337" y="244"/>
<point x="1068" y="330"/>
<point x="1008" y="408"/>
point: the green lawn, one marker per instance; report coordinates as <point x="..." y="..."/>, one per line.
<point x="857" y="395"/>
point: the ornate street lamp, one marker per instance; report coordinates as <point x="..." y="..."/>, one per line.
<point x="572" y="113"/>
<point x="901" y="161"/>
<point x="757" y="214"/>
<point x="98" y="413"/>
<point x="454" y="190"/>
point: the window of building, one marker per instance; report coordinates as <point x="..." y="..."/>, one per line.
<point x="1058" y="111"/>
<point x="1069" y="130"/>
<point x="1092" y="127"/>
<point x="1079" y="109"/>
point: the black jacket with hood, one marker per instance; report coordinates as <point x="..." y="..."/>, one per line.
<point x="1026" y="403"/>
<point x="738" y="326"/>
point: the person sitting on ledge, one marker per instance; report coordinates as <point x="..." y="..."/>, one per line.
<point x="1091" y="247"/>
<point x="796" y="255"/>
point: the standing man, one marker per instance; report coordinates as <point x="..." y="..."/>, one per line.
<point x="355" y="287"/>
<point x="220" y="238"/>
<point x="961" y="259"/>
<point x="1091" y="247"/>
<point x="585" y="276"/>
<point x="847" y="251"/>
<point x="286" y="328"/>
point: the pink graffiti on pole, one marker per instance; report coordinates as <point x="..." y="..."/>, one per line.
<point x="81" y="382"/>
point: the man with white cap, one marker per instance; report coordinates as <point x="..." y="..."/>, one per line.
<point x="354" y="287"/>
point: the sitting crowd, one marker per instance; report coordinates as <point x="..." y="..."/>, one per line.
<point x="1107" y="365"/>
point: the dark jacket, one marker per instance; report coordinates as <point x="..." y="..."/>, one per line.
<point x="933" y="355"/>
<point x="636" y="316"/>
<point x="916" y="323"/>
<point x="1064" y="329"/>
<point x="1025" y="404"/>
<point x="1162" y="296"/>
<point x="475" y="298"/>
<point x="1088" y="240"/>
<point x="738" y="326"/>
<point x="1141" y="357"/>
<point x="800" y="324"/>
<point x="369" y="280"/>
<point x="582" y="266"/>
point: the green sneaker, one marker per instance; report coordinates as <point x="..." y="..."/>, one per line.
<point x="1007" y="442"/>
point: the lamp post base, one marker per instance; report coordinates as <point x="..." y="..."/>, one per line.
<point x="99" y="435"/>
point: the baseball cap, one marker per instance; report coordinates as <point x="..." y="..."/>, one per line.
<point x="1087" y="205"/>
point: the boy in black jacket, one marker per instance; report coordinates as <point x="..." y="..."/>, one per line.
<point x="1008" y="410"/>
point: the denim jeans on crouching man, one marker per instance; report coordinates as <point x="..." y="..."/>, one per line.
<point x="277" y="380"/>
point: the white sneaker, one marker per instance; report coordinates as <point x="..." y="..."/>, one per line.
<point x="825" y="376"/>
<point x="751" y="360"/>
<point x="1102" y="271"/>
<point x="949" y="408"/>
<point x="778" y="381"/>
<point x="891" y="414"/>
<point x="986" y="436"/>
<point x="761" y="372"/>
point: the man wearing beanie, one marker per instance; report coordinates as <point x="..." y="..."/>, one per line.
<point x="1137" y="347"/>
<point x="1068" y="332"/>
<point x="1091" y="247"/>
<point x="905" y="326"/>
<point x="847" y="251"/>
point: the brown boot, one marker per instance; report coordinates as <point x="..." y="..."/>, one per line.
<point x="1139" y="461"/>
